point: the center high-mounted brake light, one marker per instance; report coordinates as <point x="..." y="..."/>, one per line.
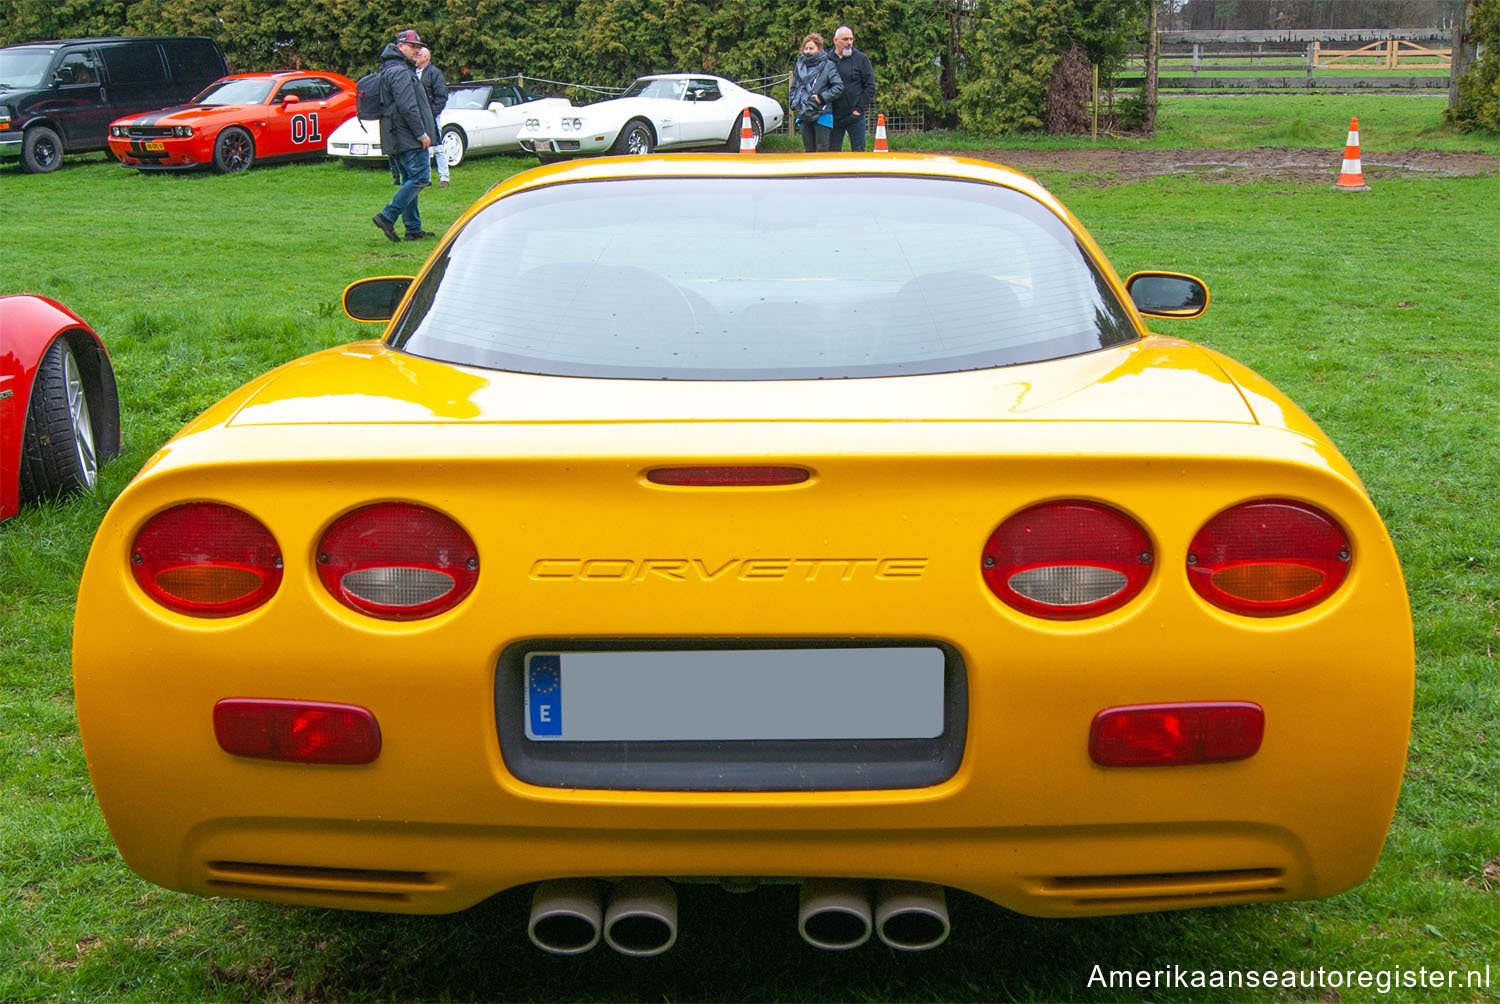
<point x="729" y="476"/>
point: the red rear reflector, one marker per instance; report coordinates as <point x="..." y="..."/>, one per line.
<point x="397" y="561"/>
<point x="1067" y="560"/>
<point x="206" y="559"/>
<point x="1269" y="557"/>
<point x="296" y="731"/>
<point x="1173" y="735"/>
<point x="730" y="476"/>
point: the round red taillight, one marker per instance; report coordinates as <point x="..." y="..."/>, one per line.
<point x="1067" y="560"/>
<point x="206" y="559"/>
<point x="397" y="561"/>
<point x="1268" y="558"/>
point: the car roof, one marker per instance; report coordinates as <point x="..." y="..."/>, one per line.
<point x="105" y="40"/>
<point x="779" y="165"/>
<point x="275" y="74"/>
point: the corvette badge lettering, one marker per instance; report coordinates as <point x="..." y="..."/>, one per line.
<point x="719" y="570"/>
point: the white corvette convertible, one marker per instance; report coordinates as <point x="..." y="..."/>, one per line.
<point x="668" y="111"/>
<point x="482" y="116"/>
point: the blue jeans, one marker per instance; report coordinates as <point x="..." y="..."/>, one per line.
<point x="416" y="174"/>
<point x="854" y="125"/>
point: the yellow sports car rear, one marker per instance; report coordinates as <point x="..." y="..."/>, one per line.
<point x="682" y="529"/>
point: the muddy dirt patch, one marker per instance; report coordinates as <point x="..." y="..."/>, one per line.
<point x="1299" y="163"/>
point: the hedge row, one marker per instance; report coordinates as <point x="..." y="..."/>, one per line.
<point x="978" y="64"/>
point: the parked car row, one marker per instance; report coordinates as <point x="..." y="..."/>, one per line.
<point x="162" y="103"/>
<point x="482" y="116"/>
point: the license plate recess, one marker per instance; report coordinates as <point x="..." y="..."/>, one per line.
<point x="709" y="714"/>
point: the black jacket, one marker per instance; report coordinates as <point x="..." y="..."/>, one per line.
<point x="859" y="82"/>
<point x="407" y="113"/>
<point x="814" y="75"/>
<point x="436" y="88"/>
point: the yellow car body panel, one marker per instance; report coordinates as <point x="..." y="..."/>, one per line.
<point x="910" y="475"/>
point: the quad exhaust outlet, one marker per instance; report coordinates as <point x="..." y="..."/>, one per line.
<point x="638" y="916"/>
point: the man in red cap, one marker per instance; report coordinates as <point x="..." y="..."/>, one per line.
<point x="407" y="129"/>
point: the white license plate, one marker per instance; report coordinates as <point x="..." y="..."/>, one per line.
<point x="359" y="149"/>
<point x="735" y="694"/>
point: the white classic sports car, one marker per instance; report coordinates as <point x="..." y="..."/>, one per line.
<point x="482" y="116"/>
<point x="668" y="111"/>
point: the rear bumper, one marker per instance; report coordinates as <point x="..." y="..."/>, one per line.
<point x="1044" y="872"/>
<point x="444" y="818"/>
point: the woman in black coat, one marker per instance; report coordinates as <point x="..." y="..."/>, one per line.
<point x="815" y="83"/>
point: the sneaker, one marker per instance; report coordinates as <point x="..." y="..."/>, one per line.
<point x="385" y="225"/>
<point x="418" y="235"/>
<point x="443" y="183"/>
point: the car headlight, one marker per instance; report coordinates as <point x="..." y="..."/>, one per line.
<point x="572" y="125"/>
<point x="4" y="117"/>
<point x="182" y="130"/>
<point x="533" y="124"/>
<point x="116" y="131"/>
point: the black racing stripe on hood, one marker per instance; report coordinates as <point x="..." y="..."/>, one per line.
<point x="151" y="118"/>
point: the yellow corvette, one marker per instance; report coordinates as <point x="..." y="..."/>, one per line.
<point x="751" y="519"/>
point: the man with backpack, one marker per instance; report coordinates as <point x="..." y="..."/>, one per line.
<point x="407" y="130"/>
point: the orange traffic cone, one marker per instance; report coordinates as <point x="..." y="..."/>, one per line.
<point x="1352" y="177"/>
<point x="880" y="144"/>
<point x="747" y="134"/>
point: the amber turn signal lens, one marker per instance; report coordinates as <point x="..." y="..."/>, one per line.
<point x="1268" y="558"/>
<point x="206" y="559"/>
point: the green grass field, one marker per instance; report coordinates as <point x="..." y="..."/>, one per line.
<point x="1378" y="313"/>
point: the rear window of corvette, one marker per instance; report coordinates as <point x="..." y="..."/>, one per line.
<point x="761" y="279"/>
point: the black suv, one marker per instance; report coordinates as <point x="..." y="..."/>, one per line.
<point x="60" y="97"/>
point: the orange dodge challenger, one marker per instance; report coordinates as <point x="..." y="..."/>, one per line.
<point x="237" y="121"/>
<point x="680" y="528"/>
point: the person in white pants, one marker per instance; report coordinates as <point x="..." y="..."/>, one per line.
<point x="437" y="96"/>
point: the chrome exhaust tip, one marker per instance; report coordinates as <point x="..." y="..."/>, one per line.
<point x="911" y="916"/>
<point x="834" y="913"/>
<point x="641" y="918"/>
<point x="566" y="916"/>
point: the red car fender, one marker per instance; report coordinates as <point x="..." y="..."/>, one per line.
<point x="28" y="327"/>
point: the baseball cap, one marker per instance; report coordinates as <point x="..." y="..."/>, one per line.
<point x="409" y="36"/>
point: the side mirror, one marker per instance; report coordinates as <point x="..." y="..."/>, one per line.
<point x="376" y="299"/>
<point x="1167" y="294"/>
<point x="290" y="99"/>
<point x="497" y="106"/>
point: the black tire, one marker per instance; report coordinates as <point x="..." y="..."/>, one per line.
<point x="41" y="151"/>
<point x="58" y="453"/>
<point x="234" y="151"/>
<point x="635" y="140"/>
<point x="732" y="144"/>
<point x="457" y="145"/>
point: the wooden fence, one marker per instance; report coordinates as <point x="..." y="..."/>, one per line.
<point x="1216" y="60"/>
<point x="1202" y="67"/>
<point x="1387" y="54"/>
